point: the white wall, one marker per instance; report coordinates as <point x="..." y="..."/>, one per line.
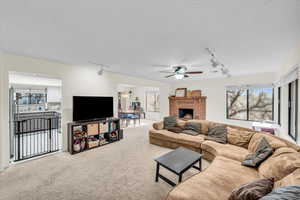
<point x="290" y="62"/>
<point x="215" y="91"/>
<point x="76" y="80"/>
<point x="3" y="139"/>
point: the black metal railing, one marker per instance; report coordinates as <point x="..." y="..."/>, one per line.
<point x="36" y="136"/>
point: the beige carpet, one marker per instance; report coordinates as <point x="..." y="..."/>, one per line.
<point x="123" y="170"/>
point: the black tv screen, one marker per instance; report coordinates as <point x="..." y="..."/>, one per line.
<point x="90" y="108"/>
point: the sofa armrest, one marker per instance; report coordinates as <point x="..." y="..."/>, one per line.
<point x="158" y="125"/>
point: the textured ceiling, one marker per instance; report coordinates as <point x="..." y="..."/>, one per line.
<point x="248" y="36"/>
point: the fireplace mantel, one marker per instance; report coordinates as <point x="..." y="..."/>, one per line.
<point x="198" y="104"/>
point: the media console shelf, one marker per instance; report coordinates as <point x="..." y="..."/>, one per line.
<point x="83" y="136"/>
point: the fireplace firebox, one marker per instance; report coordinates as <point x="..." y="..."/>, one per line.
<point x="186" y="113"/>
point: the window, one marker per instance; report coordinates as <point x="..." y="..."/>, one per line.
<point x="152" y="101"/>
<point x="250" y="104"/>
<point x="279" y="105"/>
<point x="293" y="109"/>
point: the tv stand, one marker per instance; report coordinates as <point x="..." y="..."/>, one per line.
<point x="86" y="135"/>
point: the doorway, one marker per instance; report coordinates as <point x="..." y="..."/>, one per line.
<point x="34" y="115"/>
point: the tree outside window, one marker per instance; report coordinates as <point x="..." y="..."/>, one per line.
<point x="250" y="104"/>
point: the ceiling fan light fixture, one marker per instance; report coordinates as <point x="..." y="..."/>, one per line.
<point x="179" y="76"/>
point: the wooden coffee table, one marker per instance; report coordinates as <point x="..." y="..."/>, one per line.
<point x="178" y="162"/>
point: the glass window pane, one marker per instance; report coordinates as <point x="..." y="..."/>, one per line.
<point x="261" y="104"/>
<point x="237" y="104"/>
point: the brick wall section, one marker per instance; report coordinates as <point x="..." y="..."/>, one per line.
<point x="198" y="104"/>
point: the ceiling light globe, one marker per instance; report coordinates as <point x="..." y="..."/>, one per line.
<point x="179" y="76"/>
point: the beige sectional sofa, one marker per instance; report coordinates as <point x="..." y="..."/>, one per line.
<point x="226" y="172"/>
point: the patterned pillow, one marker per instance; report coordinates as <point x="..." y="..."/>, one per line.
<point x="190" y="132"/>
<point x="193" y="126"/>
<point x="169" y="122"/>
<point x="253" y="191"/>
<point x="175" y="129"/>
<point x="263" y="151"/>
<point x="217" y="134"/>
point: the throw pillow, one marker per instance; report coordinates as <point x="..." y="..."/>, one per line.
<point x="169" y="122"/>
<point x="217" y="134"/>
<point x="275" y="142"/>
<point x="291" y="192"/>
<point x="190" y="132"/>
<point x="175" y="129"/>
<point x="193" y="126"/>
<point x="263" y="151"/>
<point x="239" y="137"/>
<point x="253" y="191"/>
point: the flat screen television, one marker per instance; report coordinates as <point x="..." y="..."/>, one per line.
<point x="91" y="108"/>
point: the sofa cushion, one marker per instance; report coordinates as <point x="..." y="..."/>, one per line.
<point x="180" y="123"/>
<point x="194" y="126"/>
<point x="291" y="192"/>
<point x="253" y="190"/>
<point x="283" y="162"/>
<point x="164" y="135"/>
<point x="226" y="150"/>
<point x="263" y="151"/>
<point x="214" y="183"/>
<point x="169" y="122"/>
<point x="217" y="134"/>
<point x="158" y="125"/>
<point x="175" y="129"/>
<point x="273" y="141"/>
<point x="239" y="137"/>
<point x="291" y="179"/>
<point x="194" y="141"/>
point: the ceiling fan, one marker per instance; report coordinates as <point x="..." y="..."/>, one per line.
<point x="180" y="72"/>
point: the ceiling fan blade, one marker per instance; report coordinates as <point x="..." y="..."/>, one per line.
<point x="165" y="66"/>
<point x="194" y="72"/>
<point x="166" y="71"/>
<point x="169" y="76"/>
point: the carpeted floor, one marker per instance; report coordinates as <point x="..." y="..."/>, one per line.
<point x="122" y="170"/>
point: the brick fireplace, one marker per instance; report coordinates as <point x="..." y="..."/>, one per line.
<point x="188" y="107"/>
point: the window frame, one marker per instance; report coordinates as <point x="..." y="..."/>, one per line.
<point x="295" y="136"/>
<point x="247" y="102"/>
<point x="279" y="105"/>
